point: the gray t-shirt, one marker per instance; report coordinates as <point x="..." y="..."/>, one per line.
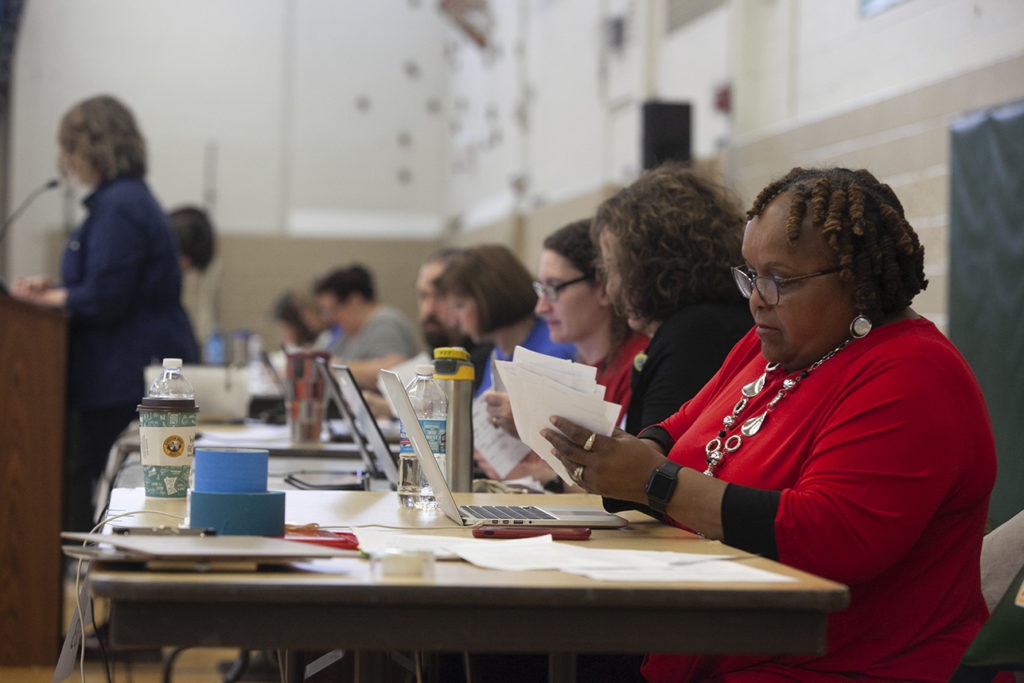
<point x="386" y="332"/>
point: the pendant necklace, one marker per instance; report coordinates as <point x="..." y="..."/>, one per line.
<point x="722" y="444"/>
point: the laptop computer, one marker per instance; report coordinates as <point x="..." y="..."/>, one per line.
<point x="379" y="460"/>
<point x="473" y="515"/>
<point x="272" y="373"/>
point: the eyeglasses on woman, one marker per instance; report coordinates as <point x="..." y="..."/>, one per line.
<point x="768" y="288"/>
<point x="551" y="292"/>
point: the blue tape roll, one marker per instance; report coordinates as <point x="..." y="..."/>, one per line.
<point x="238" y="514"/>
<point x="230" y="470"/>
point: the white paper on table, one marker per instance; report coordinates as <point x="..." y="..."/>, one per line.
<point x="501" y="450"/>
<point x="535" y="398"/>
<point x="543" y="553"/>
<point x="711" y="571"/>
<point x="253" y="433"/>
<point x="379" y="540"/>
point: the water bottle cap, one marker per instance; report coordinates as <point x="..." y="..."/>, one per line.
<point x="425" y="369"/>
<point x="172" y="363"/>
<point x="456" y="352"/>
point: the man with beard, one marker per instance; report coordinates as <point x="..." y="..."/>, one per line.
<point x="436" y="322"/>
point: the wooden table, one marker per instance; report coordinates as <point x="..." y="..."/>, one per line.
<point x="464" y="607"/>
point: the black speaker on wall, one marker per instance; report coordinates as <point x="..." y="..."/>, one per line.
<point x="666" y="133"/>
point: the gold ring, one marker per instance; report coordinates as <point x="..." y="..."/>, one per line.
<point x="577" y="473"/>
<point x="590" y="442"/>
<point x="494" y="421"/>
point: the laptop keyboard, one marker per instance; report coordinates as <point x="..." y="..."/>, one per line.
<point x="505" y="512"/>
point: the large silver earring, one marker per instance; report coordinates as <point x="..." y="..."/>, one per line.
<point x="860" y="327"/>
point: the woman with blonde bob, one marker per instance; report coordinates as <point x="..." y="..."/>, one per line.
<point x="492" y="300"/>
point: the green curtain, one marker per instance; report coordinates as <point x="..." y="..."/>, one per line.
<point x="986" y="275"/>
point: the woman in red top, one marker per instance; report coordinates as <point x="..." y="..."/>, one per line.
<point x="573" y="301"/>
<point x="844" y="436"/>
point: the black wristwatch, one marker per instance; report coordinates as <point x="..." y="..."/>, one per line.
<point x="661" y="485"/>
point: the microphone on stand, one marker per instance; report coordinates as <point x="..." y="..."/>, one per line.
<point x="48" y="185"/>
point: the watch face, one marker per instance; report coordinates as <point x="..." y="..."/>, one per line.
<point x="661" y="485"/>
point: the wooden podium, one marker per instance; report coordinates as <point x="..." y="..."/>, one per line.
<point x="33" y="360"/>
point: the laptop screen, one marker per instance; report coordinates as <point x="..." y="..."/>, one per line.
<point x="380" y="462"/>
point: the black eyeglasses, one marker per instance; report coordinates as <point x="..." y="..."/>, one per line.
<point x="768" y="287"/>
<point x="552" y="291"/>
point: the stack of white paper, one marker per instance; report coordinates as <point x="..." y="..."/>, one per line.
<point x="540" y="386"/>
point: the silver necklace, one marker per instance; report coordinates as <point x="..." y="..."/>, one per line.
<point x="722" y="444"/>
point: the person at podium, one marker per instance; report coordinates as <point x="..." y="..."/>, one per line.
<point x="120" y="285"/>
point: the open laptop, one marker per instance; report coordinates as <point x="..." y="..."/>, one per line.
<point x="379" y="460"/>
<point x="272" y="373"/>
<point x="472" y="515"/>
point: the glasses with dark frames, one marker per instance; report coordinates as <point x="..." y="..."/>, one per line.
<point x="768" y="288"/>
<point x="552" y="291"/>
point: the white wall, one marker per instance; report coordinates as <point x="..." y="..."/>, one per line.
<point x="271" y="88"/>
<point x="802" y="60"/>
<point x="250" y="105"/>
<point x="694" y="63"/>
<point x="566" y="113"/>
<point x="386" y="157"/>
<point x="485" y="122"/>
<point x="572" y="103"/>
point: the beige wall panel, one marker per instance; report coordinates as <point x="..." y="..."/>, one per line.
<point x="903" y="140"/>
<point x="501" y="232"/>
<point x="935" y="241"/>
<point x="526" y="239"/>
<point x="550" y="217"/>
<point x="925" y="196"/>
<point x="886" y="156"/>
<point x="255" y="270"/>
<point x="754" y="162"/>
<point x="933" y="303"/>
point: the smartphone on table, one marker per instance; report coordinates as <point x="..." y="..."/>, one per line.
<point x="558" y="533"/>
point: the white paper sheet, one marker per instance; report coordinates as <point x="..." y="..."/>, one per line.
<point x="542" y="553"/>
<point x="252" y="434"/>
<point x="540" y="386"/>
<point x="501" y="450"/>
<point x="711" y="571"/>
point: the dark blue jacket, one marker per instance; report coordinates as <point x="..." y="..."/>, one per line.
<point x="120" y="268"/>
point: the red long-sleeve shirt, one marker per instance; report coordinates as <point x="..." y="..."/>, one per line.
<point x="885" y="459"/>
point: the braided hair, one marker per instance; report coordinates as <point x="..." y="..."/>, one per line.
<point x="863" y="224"/>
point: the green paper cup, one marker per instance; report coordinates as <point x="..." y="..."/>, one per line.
<point x="167" y="438"/>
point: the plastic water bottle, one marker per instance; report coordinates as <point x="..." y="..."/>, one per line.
<point x="171" y="383"/>
<point x="167" y="433"/>
<point x="215" y="348"/>
<point x="431" y="405"/>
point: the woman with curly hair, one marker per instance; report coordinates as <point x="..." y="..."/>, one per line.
<point x="121" y="288"/>
<point x="844" y="435"/>
<point x="667" y="242"/>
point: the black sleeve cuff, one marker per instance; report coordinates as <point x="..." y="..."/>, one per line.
<point x="616" y="505"/>
<point x="659" y="436"/>
<point x="748" y="519"/>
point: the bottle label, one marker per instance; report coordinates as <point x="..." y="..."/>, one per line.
<point x="436" y="433"/>
<point x="404" y="445"/>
